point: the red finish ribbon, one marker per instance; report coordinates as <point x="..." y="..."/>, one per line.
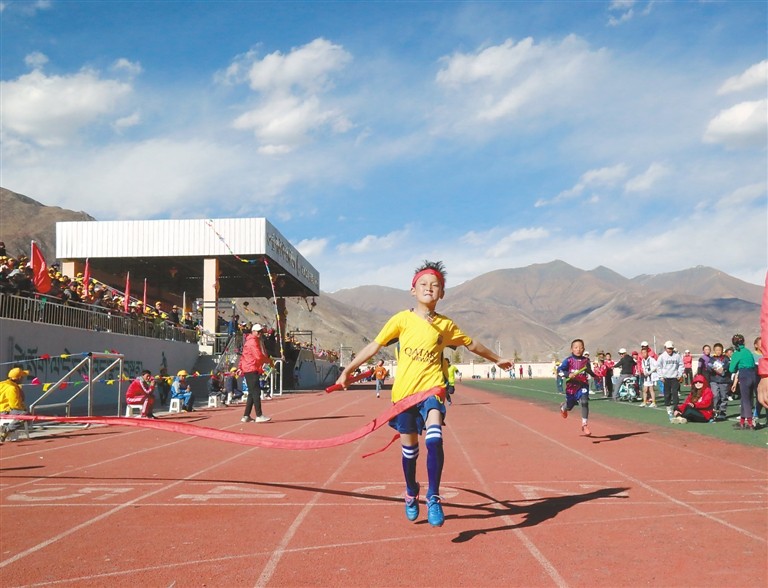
<point x="352" y="380"/>
<point x="245" y="438"/>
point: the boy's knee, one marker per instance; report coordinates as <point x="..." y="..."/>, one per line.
<point x="434" y="435"/>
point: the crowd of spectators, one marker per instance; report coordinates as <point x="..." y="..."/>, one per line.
<point x="16" y="278"/>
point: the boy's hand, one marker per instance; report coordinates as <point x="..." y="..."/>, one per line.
<point x="343" y="380"/>
<point x="504" y="364"/>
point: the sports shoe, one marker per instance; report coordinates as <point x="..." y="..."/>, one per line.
<point x="263" y="419"/>
<point x="435" y="515"/>
<point x="563" y="412"/>
<point x="585" y="430"/>
<point x="3" y="434"/>
<point x="740" y="426"/>
<point x="679" y="420"/>
<point x="246" y="419"/>
<point x="652" y="405"/>
<point x="412" y="505"/>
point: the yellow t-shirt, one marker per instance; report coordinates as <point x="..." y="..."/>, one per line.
<point x="420" y="350"/>
<point x="451" y="374"/>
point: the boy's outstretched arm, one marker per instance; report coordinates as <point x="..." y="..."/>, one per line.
<point x="484" y="352"/>
<point x="362" y="356"/>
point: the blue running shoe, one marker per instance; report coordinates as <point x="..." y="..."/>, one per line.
<point x="412" y="505"/>
<point x="435" y="514"/>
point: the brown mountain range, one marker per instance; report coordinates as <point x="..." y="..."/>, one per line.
<point x="531" y="312"/>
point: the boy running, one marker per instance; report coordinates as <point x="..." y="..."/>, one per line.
<point x="576" y="369"/>
<point x="422" y="335"/>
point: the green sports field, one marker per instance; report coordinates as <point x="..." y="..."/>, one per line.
<point x="543" y="391"/>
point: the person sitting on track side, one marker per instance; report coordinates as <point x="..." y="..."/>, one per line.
<point x="698" y="405"/>
<point x="422" y="335"/>
<point x="12" y="400"/>
<point x="141" y="392"/>
<point x="180" y="389"/>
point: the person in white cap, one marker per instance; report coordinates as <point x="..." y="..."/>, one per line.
<point x="12" y="400"/>
<point x="251" y="366"/>
<point x="670" y="369"/>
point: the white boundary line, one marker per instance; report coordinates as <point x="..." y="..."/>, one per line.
<point x="107" y="514"/>
<point x="630" y="478"/>
<point x="549" y="568"/>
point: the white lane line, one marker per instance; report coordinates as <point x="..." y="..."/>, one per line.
<point x="626" y="476"/>
<point x="547" y="565"/>
<point x="651" y="439"/>
<point x="234" y="557"/>
<point x="281" y="549"/>
<point x="107" y="514"/>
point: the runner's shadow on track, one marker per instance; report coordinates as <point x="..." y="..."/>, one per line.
<point x="35" y="467"/>
<point x="534" y="513"/>
<point x="617" y="436"/>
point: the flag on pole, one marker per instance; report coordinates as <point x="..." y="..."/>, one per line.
<point x="40" y="275"/>
<point x="145" y="294"/>
<point x="127" y="300"/>
<point x="87" y="274"/>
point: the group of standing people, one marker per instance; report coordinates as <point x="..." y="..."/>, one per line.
<point x="720" y="375"/>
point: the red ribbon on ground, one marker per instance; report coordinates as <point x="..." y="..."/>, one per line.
<point x="245" y="438"/>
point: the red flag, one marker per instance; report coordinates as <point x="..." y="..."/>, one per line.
<point x="87" y="275"/>
<point x="127" y="301"/>
<point x="40" y="270"/>
<point x="145" y="293"/>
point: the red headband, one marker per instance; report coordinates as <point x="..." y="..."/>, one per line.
<point x="434" y="272"/>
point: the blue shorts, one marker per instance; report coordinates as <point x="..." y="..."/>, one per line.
<point x="413" y="420"/>
<point x="572" y="399"/>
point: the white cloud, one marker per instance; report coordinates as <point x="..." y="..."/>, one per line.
<point x="50" y="110"/>
<point x="506" y="244"/>
<point x="604" y="177"/>
<point x="742" y="196"/>
<point x="306" y="68"/>
<point x="371" y="243"/>
<point x="285" y="122"/>
<point x="126" y="122"/>
<point x="36" y="60"/>
<point x="754" y="77"/>
<point x="312" y="247"/>
<point x="518" y="82"/>
<point x="648" y="179"/>
<point x="292" y="90"/>
<point x="742" y="125"/>
<point x="132" y="68"/>
<point x="626" y="10"/>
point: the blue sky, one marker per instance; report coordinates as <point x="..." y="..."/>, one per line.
<point x="374" y="135"/>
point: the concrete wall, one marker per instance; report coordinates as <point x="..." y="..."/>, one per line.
<point x="483" y="370"/>
<point x="23" y="343"/>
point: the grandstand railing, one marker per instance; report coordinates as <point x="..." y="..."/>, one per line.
<point x="93" y="318"/>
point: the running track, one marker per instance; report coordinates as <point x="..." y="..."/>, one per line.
<point x="528" y="502"/>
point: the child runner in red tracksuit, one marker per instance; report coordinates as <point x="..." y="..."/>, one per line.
<point x="576" y="370"/>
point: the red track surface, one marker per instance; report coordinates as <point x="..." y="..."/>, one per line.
<point x="528" y="502"/>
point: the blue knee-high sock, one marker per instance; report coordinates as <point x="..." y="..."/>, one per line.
<point x="435" y="458"/>
<point x="410" y="455"/>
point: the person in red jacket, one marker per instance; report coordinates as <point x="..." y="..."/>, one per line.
<point x="697" y="406"/>
<point x="142" y="392"/>
<point x="762" y="364"/>
<point x="252" y="363"/>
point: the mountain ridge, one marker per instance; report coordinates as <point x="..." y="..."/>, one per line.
<point x="531" y="312"/>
